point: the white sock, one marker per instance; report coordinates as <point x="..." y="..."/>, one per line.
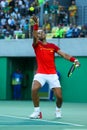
<point x="37" y="109"/>
<point x="58" y="109"/>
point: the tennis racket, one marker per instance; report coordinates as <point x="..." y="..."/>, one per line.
<point x="72" y="68"/>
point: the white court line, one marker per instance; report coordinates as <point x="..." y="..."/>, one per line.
<point x="58" y="122"/>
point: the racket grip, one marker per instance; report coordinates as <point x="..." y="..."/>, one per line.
<point x="76" y="65"/>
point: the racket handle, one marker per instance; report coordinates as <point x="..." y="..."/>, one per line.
<point x="76" y="65"/>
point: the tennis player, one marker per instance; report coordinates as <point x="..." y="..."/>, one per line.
<point x="46" y="71"/>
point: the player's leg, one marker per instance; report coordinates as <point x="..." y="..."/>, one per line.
<point x="36" y="85"/>
<point x="58" y="94"/>
<point x="54" y="84"/>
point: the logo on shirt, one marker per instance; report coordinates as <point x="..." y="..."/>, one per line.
<point x="44" y="48"/>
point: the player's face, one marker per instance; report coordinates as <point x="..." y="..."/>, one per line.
<point x="41" y="35"/>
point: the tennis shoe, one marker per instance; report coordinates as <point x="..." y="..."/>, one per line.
<point x="58" y="114"/>
<point x="36" y="115"/>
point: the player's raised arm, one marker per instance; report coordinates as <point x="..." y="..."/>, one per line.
<point x="35" y="29"/>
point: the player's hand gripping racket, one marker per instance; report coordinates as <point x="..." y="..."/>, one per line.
<point x="72" y="68"/>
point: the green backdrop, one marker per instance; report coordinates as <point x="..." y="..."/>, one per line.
<point x="3" y="78"/>
<point x="7" y="67"/>
<point x="74" y="88"/>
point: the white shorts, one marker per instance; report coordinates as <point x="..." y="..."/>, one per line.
<point x="51" y="79"/>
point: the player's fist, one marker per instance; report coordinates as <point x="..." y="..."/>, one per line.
<point x="35" y="19"/>
<point x="77" y="63"/>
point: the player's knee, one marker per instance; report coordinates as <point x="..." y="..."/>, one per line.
<point x="34" y="89"/>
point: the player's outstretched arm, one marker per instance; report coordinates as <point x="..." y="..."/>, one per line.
<point x="68" y="57"/>
<point x="35" y="29"/>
